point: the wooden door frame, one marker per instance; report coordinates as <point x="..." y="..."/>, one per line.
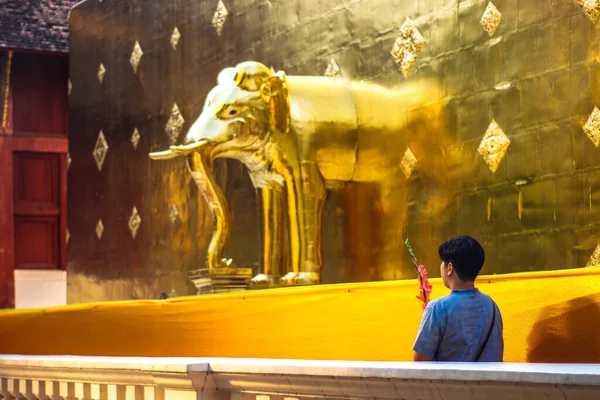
<point x="23" y="142"/>
<point x="7" y="236"/>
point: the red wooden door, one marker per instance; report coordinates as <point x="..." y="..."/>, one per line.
<point x="33" y="170"/>
<point x="37" y="210"/>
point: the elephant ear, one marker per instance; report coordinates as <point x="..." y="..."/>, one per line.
<point x="250" y="75"/>
<point x="227" y="75"/>
<point x="274" y="91"/>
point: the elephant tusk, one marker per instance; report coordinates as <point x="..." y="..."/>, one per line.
<point x="164" y="155"/>
<point x="188" y="148"/>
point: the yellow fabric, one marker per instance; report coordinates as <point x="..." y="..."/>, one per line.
<point x="550" y="317"/>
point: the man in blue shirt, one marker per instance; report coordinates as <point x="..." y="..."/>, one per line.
<point x="466" y="325"/>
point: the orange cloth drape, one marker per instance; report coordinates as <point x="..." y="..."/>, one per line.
<point x="548" y="317"/>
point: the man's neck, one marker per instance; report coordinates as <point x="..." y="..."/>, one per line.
<point x="461" y="285"/>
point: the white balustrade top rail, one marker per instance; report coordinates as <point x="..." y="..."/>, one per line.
<point x="132" y="378"/>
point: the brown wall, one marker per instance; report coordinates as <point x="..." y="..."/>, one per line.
<point x="546" y="51"/>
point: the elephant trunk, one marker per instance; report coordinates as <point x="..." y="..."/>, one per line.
<point x="200" y="166"/>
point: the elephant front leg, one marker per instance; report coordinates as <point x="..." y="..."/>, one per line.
<point x="306" y="196"/>
<point x="273" y="236"/>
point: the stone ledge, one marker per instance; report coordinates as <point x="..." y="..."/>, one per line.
<point x="540" y="374"/>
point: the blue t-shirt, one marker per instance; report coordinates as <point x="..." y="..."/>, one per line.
<point x="454" y="327"/>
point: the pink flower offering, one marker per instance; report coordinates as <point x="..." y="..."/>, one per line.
<point x="424" y="285"/>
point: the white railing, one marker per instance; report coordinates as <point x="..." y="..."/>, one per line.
<point x="130" y="378"/>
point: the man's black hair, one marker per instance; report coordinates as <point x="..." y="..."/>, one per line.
<point x="466" y="254"/>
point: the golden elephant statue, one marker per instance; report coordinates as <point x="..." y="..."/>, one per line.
<point x="297" y="135"/>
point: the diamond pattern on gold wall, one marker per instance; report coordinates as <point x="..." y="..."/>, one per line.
<point x="592" y="127"/>
<point x="100" y="150"/>
<point x="333" y="70"/>
<point x="408" y="163"/>
<point x="220" y="17"/>
<point x="173" y="213"/>
<point x="99" y="229"/>
<point x="493" y="146"/>
<point x="175" y="36"/>
<point x="594" y="260"/>
<point x="101" y="72"/>
<point x="491" y="18"/>
<point x="136" y="56"/>
<point x="134" y="222"/>
<point x="591" y="8"/>
<point x="175" y="124"/>
<point x="135" y="138"/>
<point x="407" y="46"/>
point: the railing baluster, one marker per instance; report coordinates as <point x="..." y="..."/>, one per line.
<point x="6" y="394"/>
<point x="139" y="392"/>
<point x="63" y="390"/>
<point x="147" y="393"/>
<point x="112" y="392"/>
<point x="54" y="388"/>
<point x="100" y="392"/>
<point x="87" y="391"/>
<point x="127" y="392"/>
<point x="29" y="395"/>
<point x="71" y="391"/>
<point x="79" y="390"/>
<point x="4" y="389"/>
<point x="17" y="388"/>
<point x="159" y="393"/>
<point x="36" y="390"/>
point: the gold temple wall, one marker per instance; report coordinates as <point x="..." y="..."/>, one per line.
<point x="535" y="76"/>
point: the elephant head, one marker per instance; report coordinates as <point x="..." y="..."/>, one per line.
<point x="249" y="104"/>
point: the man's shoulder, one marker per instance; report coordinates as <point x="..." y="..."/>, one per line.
<point x="439" y="303"/>
<point x="450" y="301"/>
<point x="444" y="300"/>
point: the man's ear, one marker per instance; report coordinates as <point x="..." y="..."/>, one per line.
<point x="450" y="268"/>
